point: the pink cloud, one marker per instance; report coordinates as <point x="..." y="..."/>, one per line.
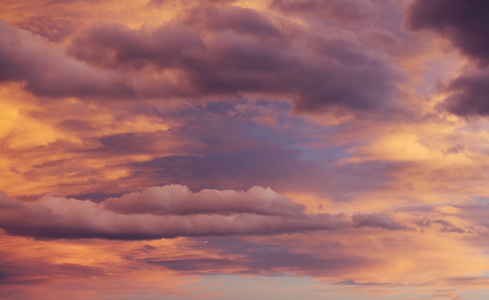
<point x="164" y="212"/>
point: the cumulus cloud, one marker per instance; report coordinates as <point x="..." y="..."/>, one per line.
<point x="236" y="51"/>
<point x="172" y="211"/>
<point x="179" y="200"/>
<point x="164" y="212"/>
<point x="208" y="53"/>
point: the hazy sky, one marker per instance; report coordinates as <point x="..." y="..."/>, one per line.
<point x="220" y="149"/>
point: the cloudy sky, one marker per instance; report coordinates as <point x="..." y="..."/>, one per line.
<point x="248" y="149"/>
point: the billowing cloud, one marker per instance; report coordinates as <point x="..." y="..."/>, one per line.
<point x="163" y="212"/>
<point x="161" y="114"/>
<point x="172" y="211"/>
<point x="175" y="199"/>
<point x="244" y="52"/>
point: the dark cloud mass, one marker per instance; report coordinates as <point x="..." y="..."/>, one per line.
<point x="469" y="94"/>
<point x="465" y="24"/>
<point x="46" y="70"/>
<point x="213" y="52"/>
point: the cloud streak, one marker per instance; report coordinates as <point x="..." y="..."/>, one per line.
<point x="163" y="212"/>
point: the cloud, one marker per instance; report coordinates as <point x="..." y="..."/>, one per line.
<point x="248" y="257"/>
<point x="342" y="12"/>
<point x="46" y="70"/>
<point x="464" y="23"/>
<point x="442" y="225"/>
<point x="238" y="19"/>
<point x="164" y="212"/>
<point x="116" y="45"/>
<point x="48" y="27"/>
<point x="178" y="200"/>
<point x="208" y="53"/>
<point x="236" y="51"/>
<point x="469" y="94"/>
<point x="376" y="220"/>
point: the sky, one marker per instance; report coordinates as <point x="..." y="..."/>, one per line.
<point x="244" y="149"/>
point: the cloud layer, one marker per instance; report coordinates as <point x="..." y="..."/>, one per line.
<point x="160" y="122"/>
<point x="210" y="52"/>
<point x="163" y="212"/>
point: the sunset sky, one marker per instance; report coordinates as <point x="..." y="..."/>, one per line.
<point x="261" y="149"/>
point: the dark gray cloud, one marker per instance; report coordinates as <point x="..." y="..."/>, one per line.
<point x="214" y="52"/>
<point x="377" y="220"/>
<point x="235" y="51"/>
<point x="469" y="94"/>
<point x="46" y="70"/>
<point x="464" y="23"/>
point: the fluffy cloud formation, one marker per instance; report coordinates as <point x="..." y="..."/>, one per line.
<point x="100" y="100"/>
<point x="179" y="200"/>
<point x="171" y="211"/>
<point x="242" y="52"/>
<point x="163" y="212"/>
<point x="209" y="52"/>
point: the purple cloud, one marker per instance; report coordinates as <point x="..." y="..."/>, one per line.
<point x="236" y="51"/>
<point x="164" y="212"/>
<point x="376" y="220"/>
<point x="469" y="94"/>
<point x="343" y="12"/>
<point x="465" y="24"/>
<point x="46" y="70"/>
